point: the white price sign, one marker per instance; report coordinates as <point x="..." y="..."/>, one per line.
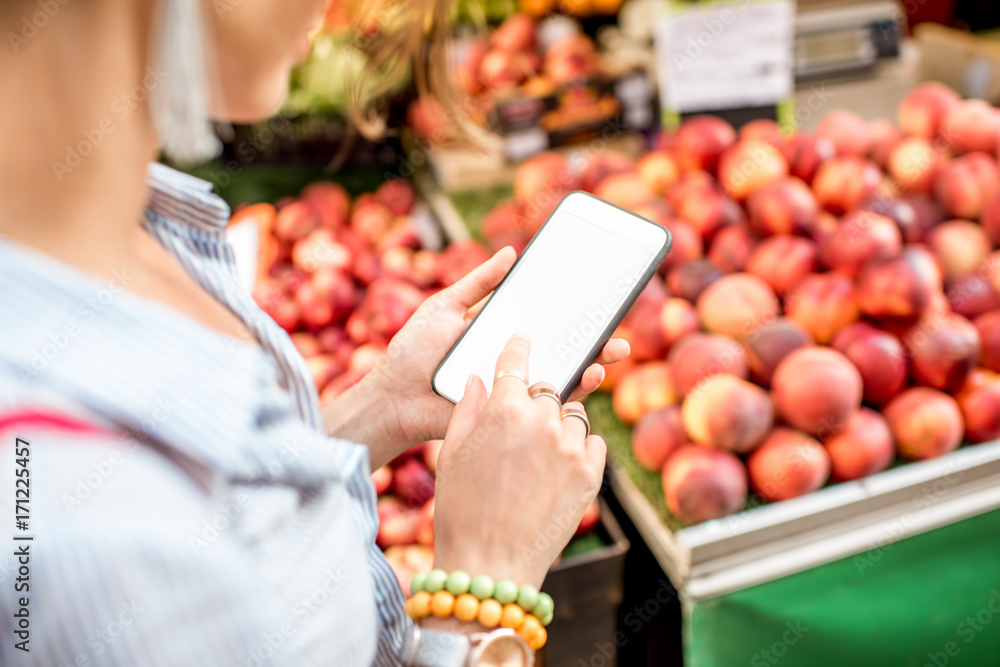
<point x="724" y="55"/>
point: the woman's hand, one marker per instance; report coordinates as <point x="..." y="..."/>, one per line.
<point x="513" y="478"/>
<point x="402" y="408"/>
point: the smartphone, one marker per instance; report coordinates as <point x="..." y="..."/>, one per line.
<point x="566" y="293"/>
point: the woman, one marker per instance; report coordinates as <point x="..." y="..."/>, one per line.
<point x="186" y="505"/>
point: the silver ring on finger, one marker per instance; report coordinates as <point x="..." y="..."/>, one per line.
<point x="579" y="413"/>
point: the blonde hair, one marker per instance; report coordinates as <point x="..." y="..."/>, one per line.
<point x="399" y="36"/>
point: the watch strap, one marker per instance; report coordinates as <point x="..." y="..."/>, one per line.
<point x="432" y="648"/>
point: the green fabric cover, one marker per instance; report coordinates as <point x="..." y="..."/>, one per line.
<point x="929" y="600"/>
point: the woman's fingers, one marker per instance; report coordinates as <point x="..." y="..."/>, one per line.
<point x="546" y="397"/>
<point x="597" y="453"/>
<point x="614" y="350"/>
<point x="483" y="279"/>
<point x="466" y="413"/>
<point x="591" y="380"/>
<point x="576" y="424"/>
<point x="512" y="368"/>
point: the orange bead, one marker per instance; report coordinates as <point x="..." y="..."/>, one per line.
<point x="490" y="612"/>
<point x="442" y="604"/>
<point x="513" y="616"/>
<point x="529" y="628"/>
<point x="466" y="607"/>
<point x="419" y="605"/>
<point x="539" y="641"/>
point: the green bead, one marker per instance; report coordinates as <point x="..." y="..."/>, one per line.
<point x="435" y="581"/>
<point x="482" y="587"/>
<point x="545" y="619"/>
<point x="544" y="606"/>
<point x="527" y="597"/>
<point x="506" y="591"/>
<point x="458" y="583"/>
<point x="418" y="582"/>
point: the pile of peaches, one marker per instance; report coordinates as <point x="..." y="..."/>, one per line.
<point x="342" y="277"/>
<point x="831" y="302"/>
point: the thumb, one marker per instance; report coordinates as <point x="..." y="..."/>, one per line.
<point x="464" y="417"/>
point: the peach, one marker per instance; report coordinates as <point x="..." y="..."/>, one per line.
<point x="988" y="326"/>
<point x="787" y="465"/>
<point x="979" y="401"/>
<point x="458" y="259"/>
<point x="990" y="219"/>
<point x="925" y="423"/>
<point x="678" y="318"/>
<point x="971" y="296"/>
<point x="503" y="225"/>
<point x="395" y="194"/>
<point x="701" y="140"/>
<point x="658" y="170"/>
<point x="318" y="249"/>
<point x="971" y="125"/>
<point x="327" y="298"/>
<point x="749" y="165"/>
<point x="700" y="356"/>
<point x="863" y="448"/>
<point x="764" y="129"/>
<point x="687" y="245"/>
<point x="782" y="261"/>
<point x="331" y="203"/>
<point x="689" y="184"/>
<point x="885" y="137"/>
<point x="915" y="164"/>
<point x="413" y="483"/>
<point x="878" y="356"/>
<point x="614" y="372"/>
<point x="294" y="221"/>
<point x="644" y="388"/>
<point x="822" y="304"/>
<point x="547" y="175"/>
<point x="785" y="206"/>
<point x="700" y="484"/>
<point x="370" y="219"/>
<point x="861" y="236"/>
<point x="923" y="108"/>
<point x="516" y="33"/>
<point x="731" y="247"/>
<point x="914" y="214"/>
<point x="398" y="523"/>
<point x="967" y="184"/>
<point x="305" y="343"/>
<point x="894" y="290"/>
<point x="817" y="389"/>
<point x="708" y="211"/>
<point x="382" y="479"/>
<point x="960" y="246"/>
<point x="809" y="152"/>
<point x="387" y="305"/>
<point x="849" y="133"/>
<point x="625" y="190"/>
<point x="657" y="435"/>
<point x="602" y="165"/>
<point x="943" y="350"/>
<point x="469" y="65"/>
<point x="428" y="120"/>
<point x="689" y="280"/>
<point x="648" y="337"/>
<point x="842" y="183"/>
<point x="570" y="58"/>
<point x="736" y="304"/>
<point x="727" y="412"/>
<point x="323" y="368"/>
<point x="767" y="347"/>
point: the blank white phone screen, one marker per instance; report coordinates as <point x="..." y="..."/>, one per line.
<point x="561" y="295"/>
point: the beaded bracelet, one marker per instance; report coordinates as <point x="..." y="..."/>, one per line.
<point x="524" y="609"/>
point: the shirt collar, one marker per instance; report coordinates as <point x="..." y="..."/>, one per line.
<point x="179" y="196"/>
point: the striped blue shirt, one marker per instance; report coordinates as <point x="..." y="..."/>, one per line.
<point x="213" y="522"/>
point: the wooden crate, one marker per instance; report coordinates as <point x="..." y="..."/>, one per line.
<point x="588" y="589"/>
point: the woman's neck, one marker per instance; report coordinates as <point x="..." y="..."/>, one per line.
<point x="77" y="134"/>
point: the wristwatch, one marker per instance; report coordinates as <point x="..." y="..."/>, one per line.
<point x="499" y="648"/>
